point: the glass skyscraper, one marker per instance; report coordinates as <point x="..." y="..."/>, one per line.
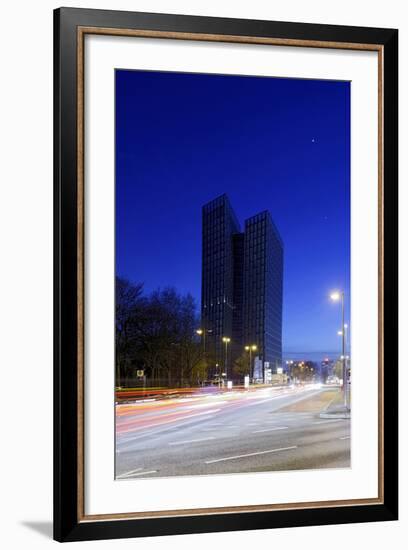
<point x="263" y="286"/>
<point x="217" y="293"/>
<point x="242" y="282"/>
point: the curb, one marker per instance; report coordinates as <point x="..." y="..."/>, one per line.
<point x="344" y="415"/>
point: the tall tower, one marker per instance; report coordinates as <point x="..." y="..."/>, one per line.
<point x="242" y="285"/>
<point x="238" y="296"/>
<point x="217" y="293"/>
<point x="263" y="288"/>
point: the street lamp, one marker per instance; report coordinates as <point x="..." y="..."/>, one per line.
<point x="250" y="349"/>
<point x="203" y="332"/>
<point x="346" y="344"/>
<point x="200" y="333"/>
<point x="226" y="341"/>
<point x="335" y="297"/>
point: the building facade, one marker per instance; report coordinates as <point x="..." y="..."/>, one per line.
<point x="238" y="296"/>
<point x="219" y="225"/>
<point x="242" y="284"/>
<point x="263" y="288"/>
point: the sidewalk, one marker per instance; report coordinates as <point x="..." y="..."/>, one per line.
<point x="336" y="408"/>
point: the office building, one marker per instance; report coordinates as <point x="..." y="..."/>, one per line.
<point x="242" y="283"/>
<point x="217" y="292"/>
<point x="263" y="286"/>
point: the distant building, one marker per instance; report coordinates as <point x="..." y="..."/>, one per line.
<point x="242" y="283"/>
<point x="302" y="371"/>
<point x="326" y="369"/>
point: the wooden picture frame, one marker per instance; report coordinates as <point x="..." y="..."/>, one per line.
<point x="70" y="520"/>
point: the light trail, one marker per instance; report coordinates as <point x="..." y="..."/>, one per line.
<point x="137" y="425"/>
<point x="146" y="416"/>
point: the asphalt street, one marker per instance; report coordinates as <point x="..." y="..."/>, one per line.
<point x="262" y="430"/>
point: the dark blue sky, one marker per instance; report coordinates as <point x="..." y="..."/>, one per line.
<point x="269" y="143"/>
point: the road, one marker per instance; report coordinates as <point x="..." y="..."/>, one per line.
<point x="262" y="430"/>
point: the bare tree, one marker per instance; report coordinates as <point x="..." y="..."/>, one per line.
<point x="128" y="303"/>
<point x="157" y="332"/>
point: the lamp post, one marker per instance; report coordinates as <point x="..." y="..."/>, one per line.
<point x="337" y="296"/>
<point x="226" y="341"/>
<point x="250" y="349"/>
<point x="345" y="335"/>
<point x="203" y="332"/>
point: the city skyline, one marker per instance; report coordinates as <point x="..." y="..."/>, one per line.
<point x="301" y="177"/>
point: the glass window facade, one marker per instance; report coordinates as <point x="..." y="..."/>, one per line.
<point x="263" y="288"/>
<point x="217" y="291"/>
<point x="242" y="283"/>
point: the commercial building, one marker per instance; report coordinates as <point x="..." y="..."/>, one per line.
<point x="217" y="290"/>
<point x="242" y="282"/>
<point x="263" y="286"/>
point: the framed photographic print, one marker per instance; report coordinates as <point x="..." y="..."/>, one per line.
<point x="225" y="274"/>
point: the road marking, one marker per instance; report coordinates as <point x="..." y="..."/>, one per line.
<point x="271" y="429"/>
<point x="326" y="421"/>
<point x="137" y="472"/>
<point x="345" y="437"/>
<point x="140" y="474"/>
<point x="251" y="454"/>
<point x="191" y="441"/>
